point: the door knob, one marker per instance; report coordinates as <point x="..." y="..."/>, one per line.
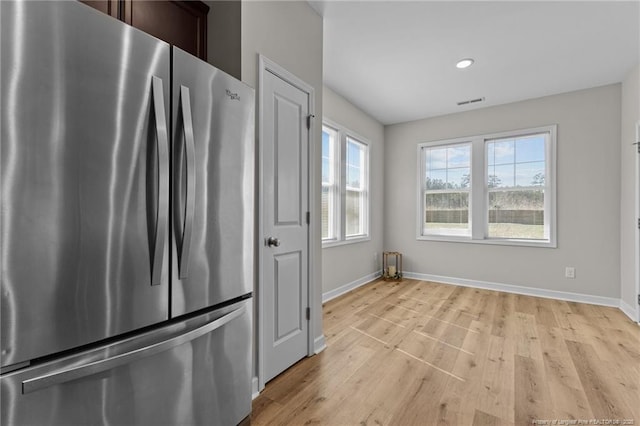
<point x="273" y="242"/>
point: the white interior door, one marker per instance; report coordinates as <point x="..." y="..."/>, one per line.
<point x="285" y="206"/>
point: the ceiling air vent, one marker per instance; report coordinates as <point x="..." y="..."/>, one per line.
<point x="471" y="101"/>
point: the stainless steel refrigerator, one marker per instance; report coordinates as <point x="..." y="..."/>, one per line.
<point x="126" y="225"/>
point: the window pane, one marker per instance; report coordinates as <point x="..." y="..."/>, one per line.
<point x="516" y="214"/>
<point x="354" y="213"/>
<point x="353" y="153"/>
<point x="530" y="148"/>
<point x="324" y="214"/>
<point x="328" y="149"/>
<point x="353" y="177"/>
<point x="437" y="179"/>
<point x="500" y="176"/>
<point x="326" y="169"/>
<point x="447" y="168"/>
<point x="458" y="156"/>
<point x="325" y="143"/>
<point x="436" y="158"/>
<point x="458" y="178"/>
<point x="530" y="174"/>
<point x="329" y="179"/>
<point x="500" y="152"/>
<point x="516" y="162"/>
<point x="354" y="163"/>
<point x="447" y="213"/>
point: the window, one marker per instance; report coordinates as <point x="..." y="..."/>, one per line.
<point x="515" y="185"/>
<point x="345" y="186"/>
<point x="496" y="189"/>
<point x="446" y="195"/>
<point x="355" y="188"/>
<point x="330" y="190"/>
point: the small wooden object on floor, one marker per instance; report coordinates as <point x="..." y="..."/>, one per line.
<point x="392" y="272"/>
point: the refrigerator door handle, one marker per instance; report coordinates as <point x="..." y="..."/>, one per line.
<point x="78" y="372"/>
<point x="162" y="220"/>
<point x="185" y="104"/>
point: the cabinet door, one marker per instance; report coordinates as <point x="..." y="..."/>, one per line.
<point x="109" y="7"/>
<point x="181" y="23"/>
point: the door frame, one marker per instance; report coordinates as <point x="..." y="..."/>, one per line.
<point x="637" y="227"/>
<point x="265" y="65"/>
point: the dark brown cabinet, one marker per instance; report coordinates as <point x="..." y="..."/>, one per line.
<point x="181" y="23"/>
<point x="110" y="7"/>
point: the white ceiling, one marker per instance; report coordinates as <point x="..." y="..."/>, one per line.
<point x="396" y="60"/>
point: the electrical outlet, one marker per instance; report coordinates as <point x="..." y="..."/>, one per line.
<point x="570" y="272"/>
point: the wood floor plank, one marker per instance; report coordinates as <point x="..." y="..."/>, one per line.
<point x="504" y="308"/>
<point x="602" y="392"/>
<point x="423" y="353"/>
<point x="526" y="336"/>
<point x="565" y="389"/>
<point x="531" y="391"/>
<point x="544" y="313"/>
<point x="459" y="398"/>
<point x="496" y="392"/>
<point x="484" y="419"/>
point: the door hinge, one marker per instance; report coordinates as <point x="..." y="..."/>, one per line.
<point x="309" y="218"/>
<point x="639" y="299"/>
<point x="639" y="223"/>
<point x="637" y="144"/>
<point x="309" y="118"/>
<point x="308" y="314"/>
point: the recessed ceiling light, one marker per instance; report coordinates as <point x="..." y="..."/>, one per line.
<point x="464" y="63"/>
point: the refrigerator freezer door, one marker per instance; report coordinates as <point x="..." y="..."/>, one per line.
<point x="213" y="163"/>
<point x="84" y="160"/>
<point x="195" y="372"/>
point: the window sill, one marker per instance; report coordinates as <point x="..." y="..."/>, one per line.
<point x="329" y="244"/>
<point x="498" y="242"/>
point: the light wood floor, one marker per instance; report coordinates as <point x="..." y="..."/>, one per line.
<point x="424" y="353"/>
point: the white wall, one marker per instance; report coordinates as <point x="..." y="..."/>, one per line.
<point x="290" y="34"/>
<point x="628" y="251"/>
<point x="351" y="264"/>
<point x="588" y="196"/>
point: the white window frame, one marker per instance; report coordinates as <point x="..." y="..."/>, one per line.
<point x="341" y="179"/>
<point x="479" y="194"/>
<point x="425" y="190"/>
<point x="334" y="187"/>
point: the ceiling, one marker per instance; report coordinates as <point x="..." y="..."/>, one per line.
<point x="396" y="60"/>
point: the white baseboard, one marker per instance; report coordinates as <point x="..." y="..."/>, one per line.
<point x="254" y="388"/>
<point x="332" y="294"/>
<point x="527" y="291"/>
<point x="319" y="344"/>
<point x="628" y="310"/>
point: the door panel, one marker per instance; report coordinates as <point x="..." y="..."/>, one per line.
<point x="285" y="201"/>
<point x="213" y="187"/>
<point x="196" y="372"/>
<point x="287" y="281"/>
<point x="80" y="184"/>
<point x="287" y="168"/>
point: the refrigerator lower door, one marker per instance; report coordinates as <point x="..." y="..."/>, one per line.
<point x="193" y="372"/>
